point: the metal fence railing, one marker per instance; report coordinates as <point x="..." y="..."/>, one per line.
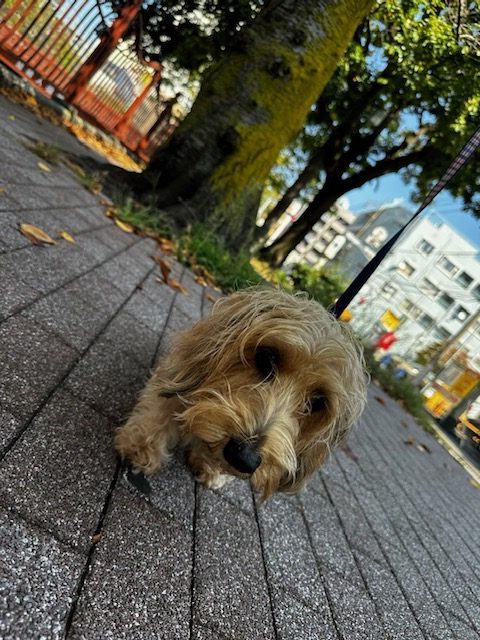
<point x="74" y="49"/>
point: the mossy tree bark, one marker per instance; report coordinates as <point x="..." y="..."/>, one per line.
<point x="251" y="104"/>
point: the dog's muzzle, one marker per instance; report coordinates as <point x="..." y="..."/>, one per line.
<point x="242" y="456"/>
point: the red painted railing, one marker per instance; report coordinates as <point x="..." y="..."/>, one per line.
<point x="74" y="49"/>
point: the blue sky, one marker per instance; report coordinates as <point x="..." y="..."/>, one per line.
<point x="392" y="187"/>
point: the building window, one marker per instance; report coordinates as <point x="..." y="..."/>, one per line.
<point x="312" y="257"/>
<point x="405" y="269"/>
<point x="388" y="290"/>
<point x="425" y="248"/>
<point x="410" y="310"/>
<point x="460" y="313"/>
<point x="441" y="334"/>
<point x="430" y="289"/>
<point x="476" y="291"/>
<point x="425" y="321"/>
<point x="464" y="279"/>
<point x="447" y="267"/>
<point x="377" y="237"/>
<point x="445" y="301"/>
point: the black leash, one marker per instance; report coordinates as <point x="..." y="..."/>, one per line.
<point x="460" y="160"/>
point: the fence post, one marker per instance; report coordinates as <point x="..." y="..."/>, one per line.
<point x="123" y="125"/>
<point x="76" y="87"/>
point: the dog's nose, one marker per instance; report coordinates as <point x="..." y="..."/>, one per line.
<point x="242" y="456"/>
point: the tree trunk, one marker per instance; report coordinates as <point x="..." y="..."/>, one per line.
<point x="251" y="104"/>
<point x="310" y="172"/>
<point x="333" y="188"/>
<point x="276" y="253"/>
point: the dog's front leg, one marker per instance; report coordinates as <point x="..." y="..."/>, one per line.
<point x="205" y="471"/>
<point x="151" y="432"/>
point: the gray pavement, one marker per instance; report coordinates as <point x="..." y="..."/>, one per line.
<point x="382" y="544"/>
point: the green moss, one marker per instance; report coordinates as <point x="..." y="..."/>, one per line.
<point x="282" y="101"/>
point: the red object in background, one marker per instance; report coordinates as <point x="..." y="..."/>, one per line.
<point x="386" y="340"/>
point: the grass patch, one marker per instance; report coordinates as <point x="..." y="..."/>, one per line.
<point x="230" y="271"/>
<point x="142" y="217"/>
<point x="403" y="390"/>
<point x="46" y="151"/>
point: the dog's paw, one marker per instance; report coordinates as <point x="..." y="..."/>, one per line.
<point x="213" y="480"/>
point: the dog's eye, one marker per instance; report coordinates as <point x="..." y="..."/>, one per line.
<point x="266" y="362"/>
<point x="318" y="402"/>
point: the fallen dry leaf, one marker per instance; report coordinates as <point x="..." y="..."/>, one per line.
<point x="2" y="190"/>
<point x="174" y="284"/>
<point x="165" y="267"/>
<point x="11" y="117"/>
<point x="97" y="537"/>
<point x="423" y="448"/>
<point x="66" y="236"/>
<point x="124" y="226"/>
<point x="43" y="167"/>
<point x="35" y="235"/>
<point x="348" y="452"/>
<point x="379" y="399"/>
<point x="166" y="245"/>
<point x="410" y="440"/>
<point x="159" y="280"/>
<point x="201" y="281"/>
<point x="110" y="212"/>
<point x="404" y="423"/>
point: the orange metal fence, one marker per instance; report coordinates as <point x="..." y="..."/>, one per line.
<point x="74" y="49"/>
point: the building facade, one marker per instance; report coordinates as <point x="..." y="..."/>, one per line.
<point x="327" y="237"/>
<point x="427" y="291"/>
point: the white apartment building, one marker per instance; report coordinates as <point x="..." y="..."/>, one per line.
<point x="427" y="291"/>
<point x="326" y="238"/>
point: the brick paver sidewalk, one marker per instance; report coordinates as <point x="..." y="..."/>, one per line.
<point x="383" y="543"/>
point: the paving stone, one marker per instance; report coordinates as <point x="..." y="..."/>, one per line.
<point x="395" y="612"/>
<point x="460" y="629"/>
<point x="124" y="272"/>
<point x="328" y="537"/>
<point x="115" y="369"/>
<point x="6" y="203"/>
<point x="353" y="609"/>
<point x="154" y="316"/>
<point x="46" y="268"/>
<point x="297" y="620"/>
<point x="230" y="591"/>
<point x="109" y="382"/>
<point x="14" y="294"/>
<point x="423" y="604"/>
<point x="32" y="362"/>
<point x="173" y="490"/>
<point x="139" y="583"/>
<point x="68" y="316"/>
<point x="10" y="234"/>
<point x="97" y="291"/>
<point x="283" y="529"/>
<point x="38" y="578"/>
<point x="59" y="473"/>
<point x="76" y="220"/>
<point x="190" y="304"/>
<point x="202" y="633"/>
<point x="362" y="522"/>
<point x="9" y="427"/>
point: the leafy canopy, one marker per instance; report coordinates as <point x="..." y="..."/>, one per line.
<point x="409" y="83"/>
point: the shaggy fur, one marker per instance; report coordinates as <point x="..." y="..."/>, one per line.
<point x="275" y="372"/>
